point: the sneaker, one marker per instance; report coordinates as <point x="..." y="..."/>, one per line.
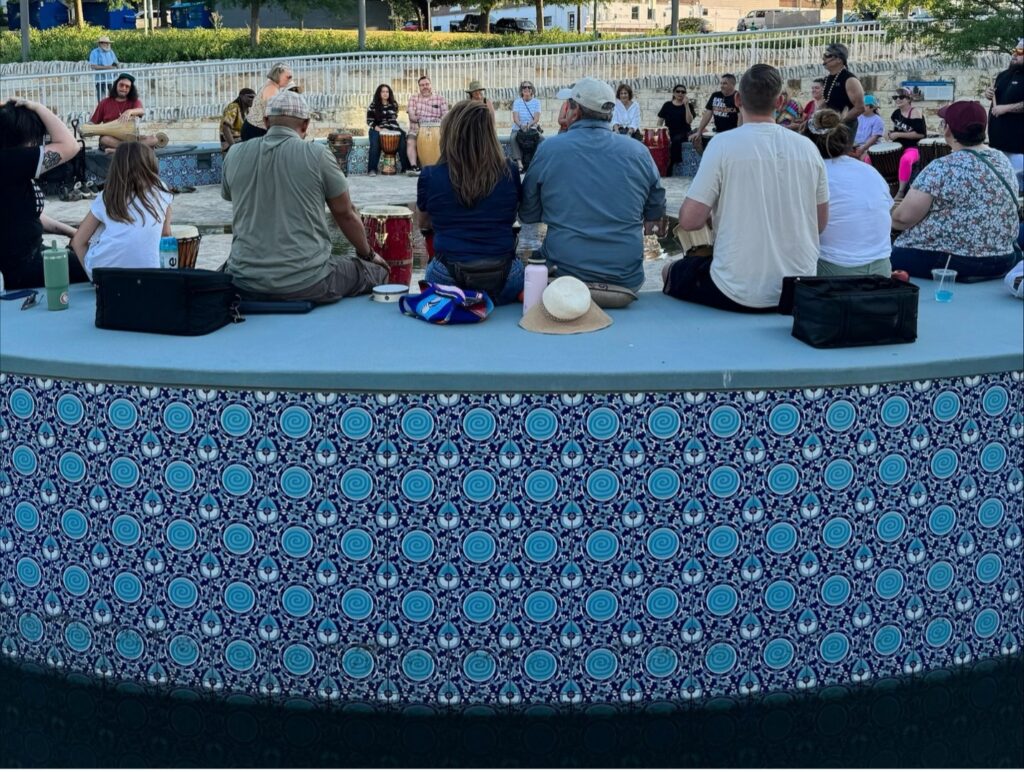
<point x="413" y="171"/>
<point x="371" y="174"/>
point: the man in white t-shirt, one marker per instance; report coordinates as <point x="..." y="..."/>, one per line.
<point x="766" y="190"/>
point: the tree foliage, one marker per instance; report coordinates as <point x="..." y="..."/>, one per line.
<point x="964" y="28"/>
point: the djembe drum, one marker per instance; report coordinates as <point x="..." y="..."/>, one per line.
<point x="340" y="142"/>
<point x="885" y="157"/>
<point x="931" y="148"/>
<point x="428" y="145"/>
<point x="657" y="141"/>
<point x="389" y="231"/>
<point x="389" y="140"/>
<point x="188" y="244"/>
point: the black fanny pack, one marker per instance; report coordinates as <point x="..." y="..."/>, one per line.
<point x="486" y="275"/>
<point x="165" y="301"/>
<point x="838" y="311"/>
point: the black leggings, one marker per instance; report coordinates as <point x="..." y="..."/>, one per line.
<point x="251" y="132"/>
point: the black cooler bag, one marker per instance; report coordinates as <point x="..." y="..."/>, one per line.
<point x="838" y="311"/>
<point x="166" y="301"/>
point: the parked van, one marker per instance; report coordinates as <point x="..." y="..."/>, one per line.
<point x="778" y="18"/>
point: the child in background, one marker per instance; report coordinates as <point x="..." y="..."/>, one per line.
<point x="124" y="225"/>
<point x="870" y="129"/>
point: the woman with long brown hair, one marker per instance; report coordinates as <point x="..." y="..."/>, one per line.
<point x="470" y="198"/>
<point x="124" y="225"/>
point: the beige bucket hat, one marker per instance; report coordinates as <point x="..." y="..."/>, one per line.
<point x="565" y="308"/>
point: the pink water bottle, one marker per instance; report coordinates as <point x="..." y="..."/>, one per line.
<point x="535" y="280"/>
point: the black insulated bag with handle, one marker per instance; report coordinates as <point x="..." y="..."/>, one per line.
<point x="164" y="301"/>
<point x="842" y="311"/>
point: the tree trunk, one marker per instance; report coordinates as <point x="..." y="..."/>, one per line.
<point x="540" y="15"/>
<point x="79" y="15"/>
<point x="254" y="22"/>
<point x="839" y="12"/>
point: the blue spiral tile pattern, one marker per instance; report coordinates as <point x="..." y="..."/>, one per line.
<point x="510" y="549"/>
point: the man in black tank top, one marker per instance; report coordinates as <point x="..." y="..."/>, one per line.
<point x="842" y="91"/>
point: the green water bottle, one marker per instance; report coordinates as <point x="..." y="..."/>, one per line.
<point x="55" y="274"/>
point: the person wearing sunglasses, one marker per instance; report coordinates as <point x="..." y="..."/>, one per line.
<point x="526" y="129"/>
<point x="677" y="116"/>
<point x="842" y="91"/>
<point x="908" y="128"/>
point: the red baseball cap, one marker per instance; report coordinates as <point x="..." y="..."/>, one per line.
<point x="962" y="116"/>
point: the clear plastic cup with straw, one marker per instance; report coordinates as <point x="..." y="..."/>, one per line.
<point x="946" y="279"/>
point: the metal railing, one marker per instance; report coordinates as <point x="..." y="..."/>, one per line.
<point x="199" y="90"/>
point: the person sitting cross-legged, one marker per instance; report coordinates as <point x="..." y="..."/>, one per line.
<point x="278" y="185"/>
<point x="767" y="190"/>
<point x="470" y="199"/>
<point x="597" y="191"/>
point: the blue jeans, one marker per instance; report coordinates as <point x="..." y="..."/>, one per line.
<point x="374" y="160"/>
<point x="920" y="262"/>
<point x="437" y="274"/>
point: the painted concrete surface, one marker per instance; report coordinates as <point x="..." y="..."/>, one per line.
<point x="658" y="344"/>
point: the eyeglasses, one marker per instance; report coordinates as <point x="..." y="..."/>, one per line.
<point x="31" y="297"/>
<point x="898" y="97"/>
<point x="679" y="91"/>
<point x="826" y="57"/>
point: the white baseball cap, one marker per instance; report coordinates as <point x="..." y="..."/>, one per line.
<point x="591" y="93"/>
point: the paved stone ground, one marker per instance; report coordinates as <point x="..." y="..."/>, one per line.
<point x="211" y="214"/>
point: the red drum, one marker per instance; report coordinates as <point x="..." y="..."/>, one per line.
<point x="389" y="231"/>
<point x="658" y="142"/>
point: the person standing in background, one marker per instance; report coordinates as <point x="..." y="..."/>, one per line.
<point x="1006" y="115"/>
<point x="677" y="117"/>
<point x="280" y="77"/>
<point x="722" y="108"/>
<point x="841" y="90"/>
<point x="102" y="57"/>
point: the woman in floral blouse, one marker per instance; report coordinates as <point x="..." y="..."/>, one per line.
<point x="383" y="114"/>
<point x="962" y="209"/>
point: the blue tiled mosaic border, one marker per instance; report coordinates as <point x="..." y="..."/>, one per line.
<point x="510" y="549"/>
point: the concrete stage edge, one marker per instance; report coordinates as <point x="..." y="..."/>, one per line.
<point x="355" y="506"/>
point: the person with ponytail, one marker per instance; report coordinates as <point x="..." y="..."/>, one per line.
<point x="856" y="240"/>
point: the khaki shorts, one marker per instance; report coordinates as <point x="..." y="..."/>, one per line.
<point x="351" y="276"/>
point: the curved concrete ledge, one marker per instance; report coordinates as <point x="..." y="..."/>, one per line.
<point x="659" y="344"/>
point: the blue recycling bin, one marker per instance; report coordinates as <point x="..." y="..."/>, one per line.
<point x="41" y="15"/>
<point x="99" y="15"/>
<point x="190" y="16"/>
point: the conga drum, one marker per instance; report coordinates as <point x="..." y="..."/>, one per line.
<point x="428" y="145"/>
<point x="389" y="231"/>
<point x="126" y="131"/>
<point x="931" y="148"/>
<point x="188" y="244"/>
<point x="657" y="141"/>
<point x="389" y="139"/>
<point x="885" y="157"/>
<point x="340" y="142"/>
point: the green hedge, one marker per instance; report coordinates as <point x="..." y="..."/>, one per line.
<point x="183" y="45"/>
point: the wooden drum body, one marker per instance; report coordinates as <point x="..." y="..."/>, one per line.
<point x="389" y="231"/>
<point x="125" y="131"/>
<point x="658" y="142"/>
<point x="389" y="139"/>
<point x="188" y="244"/>
<point x="931" y="148"/>
<point x="885" y="157"/>
<point x="428" y="145"/>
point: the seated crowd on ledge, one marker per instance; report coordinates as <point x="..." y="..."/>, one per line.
<point x="780" y="202"/>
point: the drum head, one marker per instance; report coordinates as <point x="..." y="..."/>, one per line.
<point x="389" y="293"/>
<point x="184" y="231"/>
<point x="385" y="211"/>
<point x="388" y="132"/>
<point x="885" y="147"/>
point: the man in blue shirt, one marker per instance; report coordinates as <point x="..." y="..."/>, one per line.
<point x="595" y="190"/>
<point x="103" y="58"/>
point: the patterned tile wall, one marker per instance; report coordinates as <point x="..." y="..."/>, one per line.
<point x="510" y="549"/>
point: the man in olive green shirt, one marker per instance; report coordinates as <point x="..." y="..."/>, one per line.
<point x="278" y="185"/>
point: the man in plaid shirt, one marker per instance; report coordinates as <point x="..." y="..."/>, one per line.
<point x="425" y="109"/>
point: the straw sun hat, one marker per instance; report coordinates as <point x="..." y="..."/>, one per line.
<point x="565" y="308"/>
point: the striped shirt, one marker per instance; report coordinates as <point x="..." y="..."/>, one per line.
<point x="526" y="111"/>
